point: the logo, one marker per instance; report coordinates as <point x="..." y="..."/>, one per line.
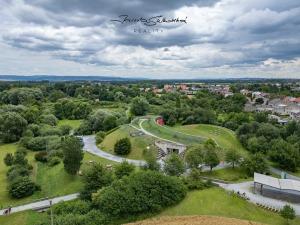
<point x="148" y="24"/>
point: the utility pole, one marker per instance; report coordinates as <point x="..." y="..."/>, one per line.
<point x="51" y="212"/>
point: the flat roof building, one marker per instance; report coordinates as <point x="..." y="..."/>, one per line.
<point x="284" y="189"/>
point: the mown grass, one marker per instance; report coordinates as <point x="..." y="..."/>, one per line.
<point x="139" y="144"/>
<point x="54" y="181"/>
<point x="228" y="174"/>
<point x="217" y="202"/>
<point x="170" y="134"/>
<point x="22" y="218"/>
<point x="73" y="123"/>
<point x="224" y="137"/>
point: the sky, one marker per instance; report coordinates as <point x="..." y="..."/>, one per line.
<point x="212" y="39"/>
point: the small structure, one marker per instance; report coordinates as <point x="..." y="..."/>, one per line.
<point x="160" y="121"/>
<point x="166" y="148"/>
<point x="284" y="189"/>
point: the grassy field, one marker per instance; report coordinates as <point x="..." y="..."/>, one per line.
<point x="138" y="143"/>
<point x="22" y="218"/>
<point x="224" y="137"/>
<point x="4" y="197"/>
<point x="54" y="181"/>
<point x="217" y="202"/>
<point x="169" y="134"/>
<point x="228" y="174"/>
<point x="73" y="123"/>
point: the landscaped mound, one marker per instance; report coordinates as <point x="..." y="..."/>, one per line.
<point x="195" y="220"/>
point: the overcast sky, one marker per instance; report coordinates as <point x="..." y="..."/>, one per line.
<point x="225" y="38"/>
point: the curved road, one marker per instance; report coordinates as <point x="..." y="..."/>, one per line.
<point x="91" y="147"/>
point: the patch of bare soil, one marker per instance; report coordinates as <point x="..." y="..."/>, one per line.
<point x="195" y="220"/>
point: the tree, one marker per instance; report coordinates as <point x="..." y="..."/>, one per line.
<point x="109" y="122"/>
<point x="12" y="125"/>
<point x="22" y="187"/>
<point x="65" y="129"/>
<point x="288" y="213"/>
<point x="194" y="156"/>
<point x="8" y="159"/>
<point x="211" y="158"/>
<point x="73" y="155"/>
<point x="285" y="154"/>
<point x="255" y="163"/>
<point x="124" y="169"/>
<point x="151" y="162"/>
<point x="174" y="165"/>
<point x="139" y="106"/>
<point x="141" y="192"/>
<point x="233" y="157"/>
<point x="95" y="177"/>
<point x="49" y="119"/>
<point x="122" y="146"/>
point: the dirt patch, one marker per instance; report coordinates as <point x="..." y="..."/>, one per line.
<point x="195" y="220"/>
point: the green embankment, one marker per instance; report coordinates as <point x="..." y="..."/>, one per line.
<point x="217" y="202"/>
<point x="139" y="144"/>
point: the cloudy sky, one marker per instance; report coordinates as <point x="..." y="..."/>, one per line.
<point x="221" y="38"/>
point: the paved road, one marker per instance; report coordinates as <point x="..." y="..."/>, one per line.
<point x="40" y="204"/>
<point x="288" y="176"/>
<point x="90" y="146"/>
<point x="247" y="187"/>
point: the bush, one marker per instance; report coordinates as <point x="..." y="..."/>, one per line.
<point x="53" y="161"/>
<point x="16" y="171"/>
<point x="99" y="137"/>
<point x="122" y="146"/>
<point x="22" y="187"/>
<point x="8" y="159"/>
<point x="73" y="207"/>
<point x="124" y="169"/>
<point x="41" y="156"/>
<point x="49" y="119"/>
<point x="65" y="129"/>
<point x="142" y="192"/>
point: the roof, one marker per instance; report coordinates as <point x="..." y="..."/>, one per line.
<point x="283" y="184"/>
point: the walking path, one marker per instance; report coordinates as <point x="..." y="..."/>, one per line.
<point x="41" y="204"/>
<point x="90" y="146"/>
<point x="247" y="187"/>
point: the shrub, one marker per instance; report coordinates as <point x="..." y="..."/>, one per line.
<point x="8" y="159"/>
<point x="65" y="129"/>
<point x="142" y="192"/>
<point x="124" y="169"/>
<point x="95" y="177"/>
<point x="53" y="161"/>
<point x="73" y="207"/>
<point x="122" y="146"/>
<point x="16" y="171"/>
<point x="22" y="187"/>
<point x="41" y="156"/>
<point x="49" y="119"/>
<point x="100" y="136"/>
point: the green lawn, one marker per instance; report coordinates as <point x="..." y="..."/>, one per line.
<point x="224" y="137"/>
<point x="54" y="181"/>
<point x="228" y="174"/>
<point x="170" y="134"/>
<point x="217" y="202"/>
<point x="73" y="123"/>
<point x="138" y="144"/>
<point x="22" y="218"/>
